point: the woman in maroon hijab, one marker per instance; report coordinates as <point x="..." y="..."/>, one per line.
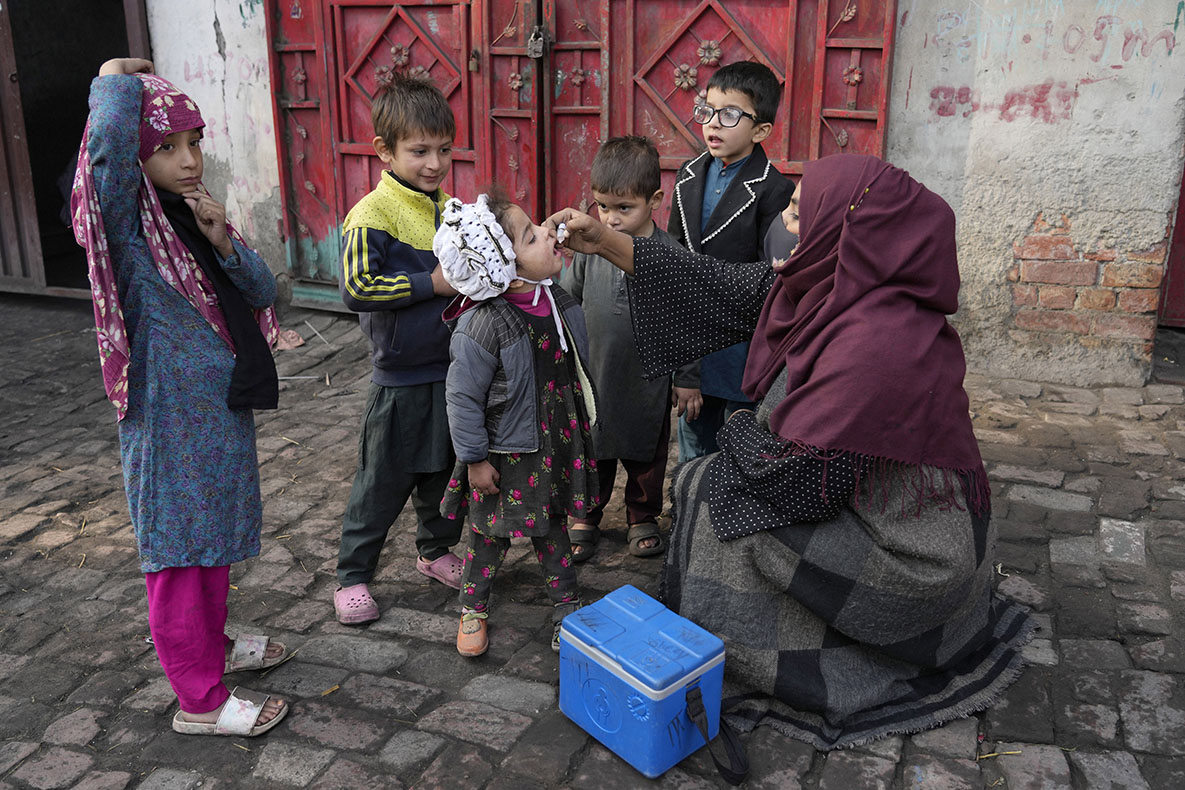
<point x="840" y="541"/>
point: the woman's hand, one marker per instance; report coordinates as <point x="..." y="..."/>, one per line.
<point x="584" y="232"/>
<point x="126" y="66"/>
<point x="211" y="220"/>
<point x="587" y="235"/>
<point x="484" y="477"/>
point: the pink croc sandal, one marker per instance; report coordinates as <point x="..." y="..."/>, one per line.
<point x="354" y="605"/>
<point x="446" y="569"/>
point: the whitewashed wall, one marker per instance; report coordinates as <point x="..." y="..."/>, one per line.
<point x="217" y="52"/>
<point x="1066" y="113"/>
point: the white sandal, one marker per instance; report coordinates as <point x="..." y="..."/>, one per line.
<point x="238" y="716"/>
<point x="250" y="652"/>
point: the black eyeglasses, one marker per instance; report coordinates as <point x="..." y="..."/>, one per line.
<point x="729" y="116"/>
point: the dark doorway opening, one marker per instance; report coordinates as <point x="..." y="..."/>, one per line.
<point x="59" y="46"/>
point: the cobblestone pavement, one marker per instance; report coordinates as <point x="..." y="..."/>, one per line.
<point x="1089" y="496"/>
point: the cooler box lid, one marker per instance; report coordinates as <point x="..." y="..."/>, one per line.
<point x="645" y="639"/>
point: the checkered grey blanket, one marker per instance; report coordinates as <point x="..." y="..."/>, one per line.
<point x="844" y="631"/>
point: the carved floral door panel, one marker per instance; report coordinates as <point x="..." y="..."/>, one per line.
<point x="536" y="85"/>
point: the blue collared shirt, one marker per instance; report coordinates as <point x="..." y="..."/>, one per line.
<point x="716" y="184"/>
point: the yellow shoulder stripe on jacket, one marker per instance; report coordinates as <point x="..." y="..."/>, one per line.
<point x="360" y="281"/>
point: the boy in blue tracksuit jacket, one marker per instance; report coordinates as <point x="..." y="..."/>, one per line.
<point x="391" y="277"/>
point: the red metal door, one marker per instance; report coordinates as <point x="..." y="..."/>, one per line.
<point x="1172" y="289"/>
<point x="537" y="85"/>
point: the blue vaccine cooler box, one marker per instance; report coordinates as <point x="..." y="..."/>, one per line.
<point x="626" y="664"/>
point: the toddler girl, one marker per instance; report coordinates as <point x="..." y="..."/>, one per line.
<point x="184" y="324"/>
<point x="519" y="403"/>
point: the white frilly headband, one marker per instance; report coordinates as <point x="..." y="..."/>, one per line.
<point x="477" y="257"/>
<point x="475" y="254"/>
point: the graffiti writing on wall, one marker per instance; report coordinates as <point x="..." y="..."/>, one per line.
<point x="211" y="70"/>
<point x="1047" y="102"/>
<point x="1109" y="38"/>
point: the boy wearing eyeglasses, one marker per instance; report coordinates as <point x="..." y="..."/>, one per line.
<point x="722" y="205"/>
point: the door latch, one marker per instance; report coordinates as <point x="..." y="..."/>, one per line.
<point x="536" y="43"/>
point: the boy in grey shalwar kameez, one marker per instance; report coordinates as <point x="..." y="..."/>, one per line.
<point x="634" y="414"/>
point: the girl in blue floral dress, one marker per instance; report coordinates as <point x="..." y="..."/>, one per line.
<point x="519" y="403"/>
<point x="184" y="324"/>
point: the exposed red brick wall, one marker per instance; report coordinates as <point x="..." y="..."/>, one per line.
<point x="1060" y="289"/>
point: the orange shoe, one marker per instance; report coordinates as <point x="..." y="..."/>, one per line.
<point x="471" y="635"/>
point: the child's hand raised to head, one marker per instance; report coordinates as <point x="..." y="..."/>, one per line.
<point x="211" y="220"/>
<point x="484" y="477"/>
<point x="126" y="66"/>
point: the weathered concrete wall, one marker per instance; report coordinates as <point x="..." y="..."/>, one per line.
<point x="217" y="52"/>
<point x="1056" y="129"/>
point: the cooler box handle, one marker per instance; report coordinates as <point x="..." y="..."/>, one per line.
<point x="738" y="762"/>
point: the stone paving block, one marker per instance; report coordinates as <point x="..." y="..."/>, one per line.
<point x="476" y="722"/>
<point x="418" y="625"/>
<point x="520" y="696"/>
<point x="776" y="762"/>
<point x="1036" y="767"/>
<point x="104" y="780"/>
<point x="298" y="679"/>
<point x="172" y="779"/>
<point x="445" y="668"/>
<point x="1160" y="655"/>
<point x="409" y="749"/>
<point x="301" y="617"/>
<point x="1086" y="613"/>
<point x="1074" y="551"/>
<point x="1165" y="541"/>
<point x="291" y="765"/>
<point x="1024" y="711"/>
<point x="1123" y="499"/>
<point x="959" y="739"/>
<point x="1152" y="707"/>
<point x="1091" y="725"/>
<point x="1025" y="591"/>
<point x="1019" y="557"/>
<point x="348" y="775"/>
<point x="1107" y="769"/>
<point x="1166" y="772"/>
<point x="1141" y="443"/>
<point x="338" y="728"/>
<point x="10" y="663"/>
<point x="458" y="766"/>
<point x="12" y="752"/>
<point x="1051" y="478"/>
<point x="54" y="768"/>
<point x="22" y="718"/>
<point x="365" y="654"/>
<point x="846" y="769"/>
<point x="1164" y="393"/>
<point x="106" y="688"/>
<point x="1094" y="654"/>
<point x="926" y="772"/>
<point x="1085" y="576"/>
<point x="1049" y="498"/>
<point x="398" y="698"/>
<point x="1084" y="485"/>
<point x="1122" y="395"/>
<point x="1041" y="652"/>
<point x="547" y="750"/>
<point x="77" y="728"/>
<point x="1144" y="618"/>
<point x="156" y="696"/>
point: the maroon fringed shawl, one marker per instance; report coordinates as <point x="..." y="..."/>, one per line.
<point x="857" y="318"/>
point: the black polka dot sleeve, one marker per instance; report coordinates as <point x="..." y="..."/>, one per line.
<point x="686" y="305"/>
<point x="759" y="481"/>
